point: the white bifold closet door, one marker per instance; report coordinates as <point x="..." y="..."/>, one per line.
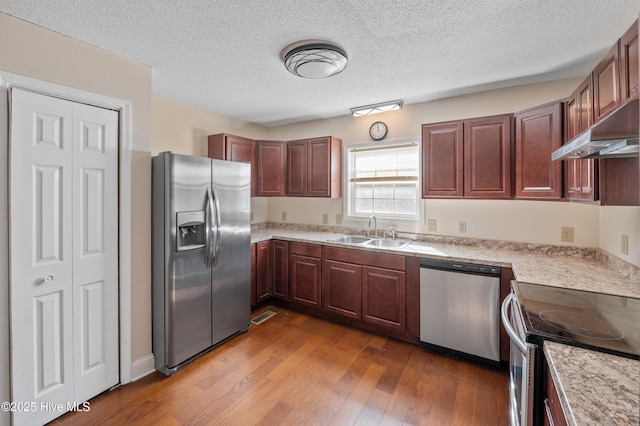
<point x="63" y="254"/>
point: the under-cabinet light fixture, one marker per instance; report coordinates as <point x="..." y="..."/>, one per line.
<point x="376" y="108"/>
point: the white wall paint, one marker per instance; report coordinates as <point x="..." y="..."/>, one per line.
<point x="613" y="223"/>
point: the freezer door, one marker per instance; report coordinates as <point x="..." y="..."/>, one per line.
<point x="231" y="297"/>
<point x="187" y="279"/>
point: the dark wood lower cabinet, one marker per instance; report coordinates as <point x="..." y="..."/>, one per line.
<point x="306" y="278"/>
<point x="384" y="297"/>
<point x="342" y="289"/>
<point x="254" y="299"/>
<point x="553" y="416"/>
<point x="280" y="260"/>
<point x="264" y="271"/>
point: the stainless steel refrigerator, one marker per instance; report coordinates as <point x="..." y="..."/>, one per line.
<point x="201" y="282"/>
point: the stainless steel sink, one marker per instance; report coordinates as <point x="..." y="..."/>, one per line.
<point x="387" y="243"/>
<point x="350" y="239"/>
<point x="370" y="242"/>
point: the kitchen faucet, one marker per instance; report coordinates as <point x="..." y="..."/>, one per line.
<point x="375" y="225"/>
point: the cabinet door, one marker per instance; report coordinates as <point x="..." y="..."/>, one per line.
<point x="264" y="271"/>
<point x="280" y="253"/>
<point x="297" y="168"/>
<point x="538" y="134"/>
<point x="487" y="157"/>
<point x="254" y="297"/>
<point x="318" y="179"/>
<point x="306" y="278"/>
<point x="619" y="180"/>
<point x="384" y="298"/>
<point x="629" y="63"/>
<point x="223" y="146"/>
<point x="271" y="169"/>
<point x="571" y="167"/>
<point x="606" y="85"/>
<point x="442" y="160"/>
<point x="342" y="288"/>
<point x="580" y="175"/>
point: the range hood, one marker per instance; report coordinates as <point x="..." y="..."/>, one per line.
<point x="614" y="137"/>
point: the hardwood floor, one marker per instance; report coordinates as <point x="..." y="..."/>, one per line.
<point x="295" y="369"/>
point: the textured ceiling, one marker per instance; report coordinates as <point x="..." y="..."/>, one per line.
<point x="225" y="56"/>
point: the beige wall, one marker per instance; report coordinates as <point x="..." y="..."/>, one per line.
<point x="35" y="52"/>
<point x="183" y="129"/>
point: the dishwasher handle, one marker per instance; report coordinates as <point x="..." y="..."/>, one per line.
<point x="507" y="324"/>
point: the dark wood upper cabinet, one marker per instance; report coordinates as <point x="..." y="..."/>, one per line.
<point x="467" y="158"/>
<point x="581" y="176"/>
<point x="606" y="84"/>
<point x="629" y="63"/>
<point x="538" y="132"/>
<point x="314" y="167"/>
<point x="620" y="180"/>
<point x="271" y="156"/>
<point x="223" y="146"/>
<point x="487" y="157"/>
<point x="442" y="160"/>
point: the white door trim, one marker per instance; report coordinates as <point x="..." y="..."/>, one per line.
<point x="8" y="80"/>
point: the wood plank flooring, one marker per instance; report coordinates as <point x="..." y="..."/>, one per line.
<point x="295" y="369"/>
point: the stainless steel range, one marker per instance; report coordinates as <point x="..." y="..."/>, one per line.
<point x="601" y="322"/>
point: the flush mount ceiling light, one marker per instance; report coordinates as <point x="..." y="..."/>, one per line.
<point x="376" y="108"/>
<point x="315" y="60"/>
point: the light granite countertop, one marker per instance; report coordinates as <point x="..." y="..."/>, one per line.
<point x="556" y="266"/>
<point x="595" y="388"/>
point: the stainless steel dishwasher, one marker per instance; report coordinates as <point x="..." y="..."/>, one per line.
<point x="460" y="309"/>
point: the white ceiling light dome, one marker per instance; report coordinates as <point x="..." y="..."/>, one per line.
<point x="316" y="60"/>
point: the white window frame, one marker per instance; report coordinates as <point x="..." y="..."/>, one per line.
<point x="347" y="196"/>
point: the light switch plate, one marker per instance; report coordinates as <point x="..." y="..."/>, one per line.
<point x="284" y="216"/>
<point x="338" y="219"/>
<point x="325" y="218"/>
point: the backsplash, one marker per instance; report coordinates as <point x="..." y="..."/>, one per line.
<point x="627" y="269"/>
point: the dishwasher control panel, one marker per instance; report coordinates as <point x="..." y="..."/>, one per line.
<point x="448" y="265"/>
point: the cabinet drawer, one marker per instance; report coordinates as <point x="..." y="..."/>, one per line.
<point x="360" y="257"/>
<point x="304" y="249"/>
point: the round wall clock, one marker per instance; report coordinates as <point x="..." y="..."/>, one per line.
<point x="378" y="130"/>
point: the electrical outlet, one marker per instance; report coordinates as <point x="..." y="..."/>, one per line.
<point x="251" y="216"/>
<point x="566" y="234"/>
<point x="462" y="227"/>
<point x="325" y="218"/>
<point x="284" y="216"/>
<point x="624" y="244"/>
<point x="338" y="219"/>
<point x="431" y="225"/>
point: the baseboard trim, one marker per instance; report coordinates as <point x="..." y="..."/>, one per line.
<point x="142" y="367"/>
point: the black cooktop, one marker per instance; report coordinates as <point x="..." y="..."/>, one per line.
<point x="598" y="321"/>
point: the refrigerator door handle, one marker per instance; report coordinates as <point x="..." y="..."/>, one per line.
<point x="208" y="224"/>
<point x="216" y="244"/>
